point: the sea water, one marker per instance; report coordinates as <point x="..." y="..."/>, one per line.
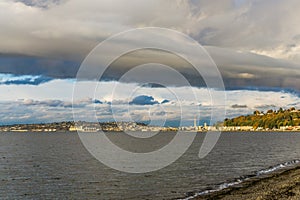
<point x="57" y="166"/>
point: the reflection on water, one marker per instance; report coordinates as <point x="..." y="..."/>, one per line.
<point x="56" y="165"/>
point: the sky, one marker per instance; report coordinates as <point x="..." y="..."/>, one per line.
<point x="255" y="45"/>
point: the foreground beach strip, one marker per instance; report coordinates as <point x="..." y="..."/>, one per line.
<point x="284" y="184"/>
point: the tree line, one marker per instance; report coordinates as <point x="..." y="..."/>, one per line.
<point x="269" y="119"/>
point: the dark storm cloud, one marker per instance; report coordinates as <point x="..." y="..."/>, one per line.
<point x="97" y="101"/>
<point x="264" y="107"/>
<point x="40" y="3"/>
<point x="143" y="100"/>
<point x="59" y="37"/>
<point x="238" y="106"/>
<point x="49" y="103"/>
<point x="244" y="69"/>
<point x="25" y="80"/>
<point x="60" y="103"/>
<point x="165" y="101"/>
<point x="267" y="89"/>
<point x="239" y="70"/>
<point x="31" y="65"/>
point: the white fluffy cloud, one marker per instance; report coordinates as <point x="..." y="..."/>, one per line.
<point x="48" y="102"/>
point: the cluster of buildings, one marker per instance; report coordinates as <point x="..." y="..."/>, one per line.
<point x="117" y="127"/>
<point x="203" y="128"/>
<point x="49" y="127"/>
<point x="23" y="128"/>
<point x="130" y="126"/>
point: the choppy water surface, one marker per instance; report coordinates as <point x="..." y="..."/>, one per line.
<point x="56" y="165"/>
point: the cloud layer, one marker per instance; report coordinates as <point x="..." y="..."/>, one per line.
<point x="254" y="43"/>
<point x="150" y="103"/>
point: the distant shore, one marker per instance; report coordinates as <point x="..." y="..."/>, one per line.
<point x="83" y="126"/>
<point x="284" y="184"/>
<point x="162" y="131"/>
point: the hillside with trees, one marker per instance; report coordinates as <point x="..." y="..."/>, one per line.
<point x="271" y="119"/>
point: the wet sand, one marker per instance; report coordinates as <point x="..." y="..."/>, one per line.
<point x="279" y="185"/>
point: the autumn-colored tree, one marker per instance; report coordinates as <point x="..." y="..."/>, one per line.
<point x="273" y="119"/>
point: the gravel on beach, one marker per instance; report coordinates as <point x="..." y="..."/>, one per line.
<point x="280" y="185"/>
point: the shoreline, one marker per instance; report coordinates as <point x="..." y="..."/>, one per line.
<point x="199" y="132"/>
<point x="283" y="183"/>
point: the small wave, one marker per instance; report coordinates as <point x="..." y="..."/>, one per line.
<point x="242" y="179"/>
<point x="277" y="167"/>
